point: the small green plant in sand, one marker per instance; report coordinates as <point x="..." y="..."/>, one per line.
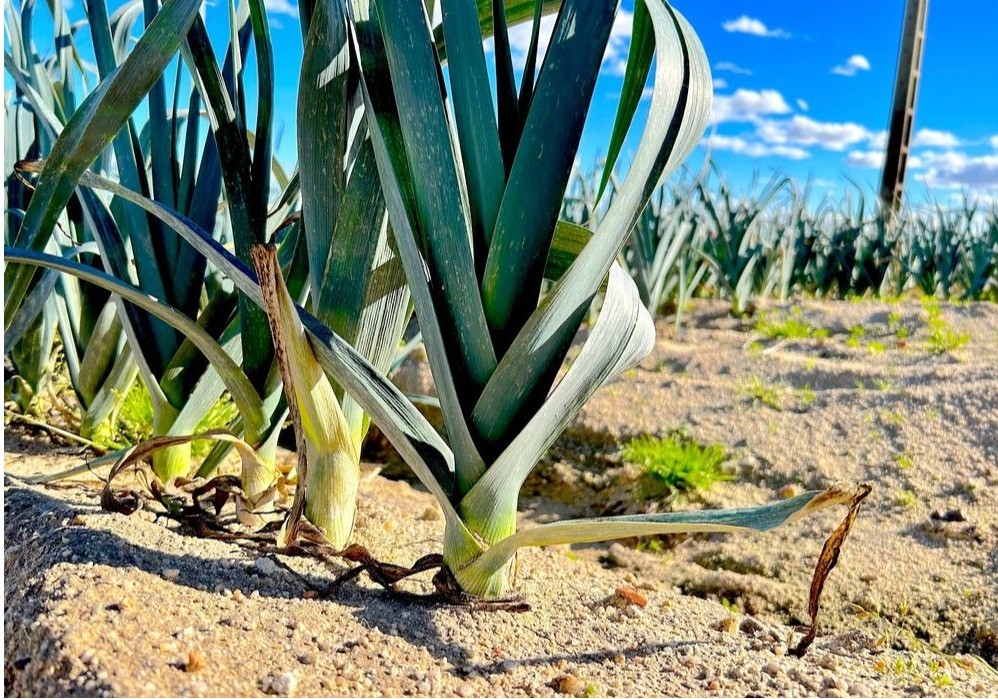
<point x="759" y="391"/>
<point x="894" y="631"/>
<point x="884" y="385"/>
<point x="788" y="327"/>
<point x="895" y="324"/>
<point x="855" y="340"/>
<point x="905" y="498"/>
<point x="652" y="544"/>
<point x="934" y="670"/>
<point x="904" y="460"/>
<point x="676" y="464"/>
<point x="894" y="418"/>
<point x="856" y="335"/>
<point x="806" y="395"/>
<point x="943" y="337"/>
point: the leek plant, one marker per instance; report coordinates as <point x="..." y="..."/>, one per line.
<point x="90" y="346"/>
<point x="106" y="344"/>
<point x="662" y="238"/>
<point x="474" y="199"/>
<point x="732" y="246"/>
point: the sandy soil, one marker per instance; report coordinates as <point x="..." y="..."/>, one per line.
<point x="101" y="604"/>
<point x="921" y="426"/>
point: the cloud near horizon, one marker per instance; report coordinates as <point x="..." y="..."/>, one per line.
<point x="753" y="26"/>
<point x="282" y="7"/>
<point x="852" y="66"/>
<point x="729" y="67"/>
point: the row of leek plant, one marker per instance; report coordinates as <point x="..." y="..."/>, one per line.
<point x="99" y="364"/>
<point x="104" y="343"/>
<point x="697" y="239"/>
<point x="473" y="200"/>
<point x="336" y="247"/>
<point x="191" y="337"/>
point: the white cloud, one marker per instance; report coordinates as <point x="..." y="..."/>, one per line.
<point x="281" y="7"/>
<point x="853" y="65"/>
<point x="615" y="58"/>
<point x="737" y="144"/>
<point x="721" y="83"/>
<point x="805" y="131"/>
<point x="994" y="142"/>
<point x="935" y="139"/>
<point x="878" y="139"/>
<point x="875" y="159"/>
<point x="747" y="105"/>
<point x="730" y="67"/>
<point x="519" y="40"/>
<point x="943" y="169"/>
<point x="954" y="169"/>
<point x="753" y="26"/>
<point x="802" y="105"/>
<point x="865" y="158"/>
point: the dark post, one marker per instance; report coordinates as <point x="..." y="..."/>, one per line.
<point x="903" y="110"/>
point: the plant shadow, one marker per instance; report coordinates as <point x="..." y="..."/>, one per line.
<point x="36" y="515"/>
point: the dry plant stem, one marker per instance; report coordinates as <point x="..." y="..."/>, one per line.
<point x="266" y="265"/>
<point x="388" y="575"/>
<point x="826" y="562"/>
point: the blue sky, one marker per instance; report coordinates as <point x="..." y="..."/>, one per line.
<point x="801" y="88"/>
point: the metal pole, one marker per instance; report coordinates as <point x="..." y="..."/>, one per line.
<point x="903" y="112"/>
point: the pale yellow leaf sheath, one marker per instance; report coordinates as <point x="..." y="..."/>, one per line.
<point x="328" y="459"/>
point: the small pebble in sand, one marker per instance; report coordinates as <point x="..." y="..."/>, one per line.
<point x="266" y="566"/>
<point x="171" y="574"/>
<point x="832" y="682"/>
<point x="465" y="690"/>
<point x="430" y="514"/>
<point x="772" y="669"/>
<point x="860" y="690"/>
<point x="195" y="662"/>
<point x="620" y="556"/>
<point x="283" y="685"/>
<point x="790" y="490"/>
<point x="713" y="685"/>
<point x="568" y="684"/>
<point x="626" y="595"/>
<point x="728" y="624"/>
<point x="307" y="658"/>
<point x="828" y="662"/>
<point x="751" y="626"/>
